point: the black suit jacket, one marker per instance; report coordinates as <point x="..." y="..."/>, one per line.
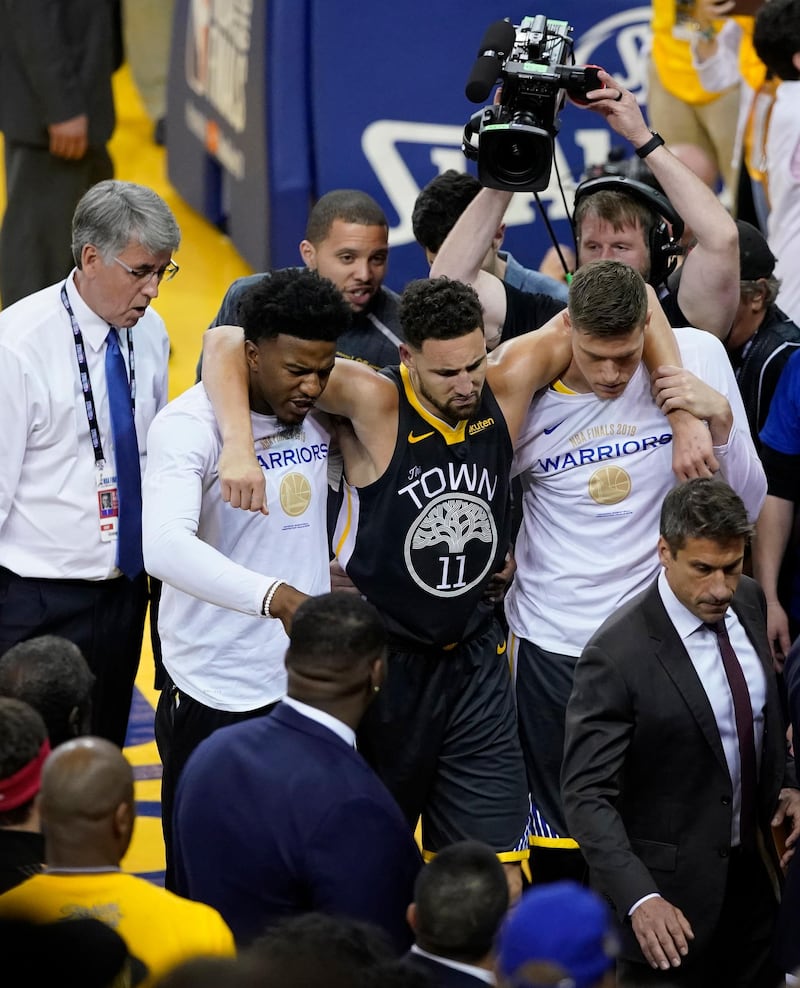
<point x="56" y="61"/>
<point x="646" y="787"/>
<point x="442" y="975"/>
<point x="787" y="937"/>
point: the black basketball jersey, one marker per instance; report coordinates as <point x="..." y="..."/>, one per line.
<point x="422" y="541"/>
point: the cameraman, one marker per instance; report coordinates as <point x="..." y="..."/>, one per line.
<point x="614" y="225"/>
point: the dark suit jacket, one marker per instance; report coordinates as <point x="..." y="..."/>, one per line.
<point x="442" y="975"/>
<point x="56" y="62"/>
<point x="646" y="787"/>
<point x="277" y="815"/>
<point x="788" y="933"/>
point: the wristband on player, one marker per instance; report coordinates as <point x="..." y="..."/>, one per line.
<point x="265" y="606"/>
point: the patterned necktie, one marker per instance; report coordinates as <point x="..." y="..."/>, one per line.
<point x="743" y="712"/>
<point x="126" y="456"/>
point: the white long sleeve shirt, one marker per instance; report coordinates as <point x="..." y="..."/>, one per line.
<point x="217" y="562"/>
<point x="783" y="179"/>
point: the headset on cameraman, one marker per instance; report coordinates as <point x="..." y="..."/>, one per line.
<point x="664" y="240"/>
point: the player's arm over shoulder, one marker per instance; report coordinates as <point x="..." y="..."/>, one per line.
<point x="357" y="392"/>
<point x="519" y="368"/>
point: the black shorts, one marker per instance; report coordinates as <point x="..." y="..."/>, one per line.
<point x="543" y="686"/>
<point x="442" y="734"/>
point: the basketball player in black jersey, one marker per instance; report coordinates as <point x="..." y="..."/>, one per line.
<point x="424" y="524"/>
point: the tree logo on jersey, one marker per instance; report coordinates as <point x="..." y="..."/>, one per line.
<point x="450" y="547"/>
<point x="609" y="485"/>
<point x="295" y="494"/>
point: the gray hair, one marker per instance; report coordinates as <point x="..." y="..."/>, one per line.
<point x="113" y="213"/>
<point x="769" y="286"/>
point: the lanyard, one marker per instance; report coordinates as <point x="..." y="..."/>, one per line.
<point x="86" y="384"/>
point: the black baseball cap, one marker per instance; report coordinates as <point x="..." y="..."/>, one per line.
<point x="756" y="260"/>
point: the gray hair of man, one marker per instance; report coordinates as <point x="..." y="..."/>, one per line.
<point x="112" y="214"/>
<point x="768" y="286"/>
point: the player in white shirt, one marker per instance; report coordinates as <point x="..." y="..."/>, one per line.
<point x="227" y="572"/>
<point x="60" y="496"/>
<point x="595" y="461"/>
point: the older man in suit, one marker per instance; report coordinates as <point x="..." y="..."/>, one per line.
<point x="280" y="815"/>
<point x="675" y="764"/>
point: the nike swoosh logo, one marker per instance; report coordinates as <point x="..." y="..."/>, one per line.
<point x="553" y="427"/>
<point x="418" y="439"/>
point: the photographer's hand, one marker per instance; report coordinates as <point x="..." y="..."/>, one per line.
<point x="620" y="108"/>
<point x="706" y="11"/>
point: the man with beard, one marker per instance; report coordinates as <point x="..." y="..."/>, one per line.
<point x="347" y="242"/>
<point x="424" y="525"/>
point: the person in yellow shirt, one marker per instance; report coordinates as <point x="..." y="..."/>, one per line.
<point x="87" y="811"/>
<point x="678" y="106"/>
<point x="725" y="58"/>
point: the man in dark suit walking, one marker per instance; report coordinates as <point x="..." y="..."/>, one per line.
<point x="460" y="899"/>
<point x="787" y="938"/>
<point x="675" y="762"/>
<point x="57" y="116"/>
<point x="280" y="815"/>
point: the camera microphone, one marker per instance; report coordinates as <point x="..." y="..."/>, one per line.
<point x="496" y="45"/>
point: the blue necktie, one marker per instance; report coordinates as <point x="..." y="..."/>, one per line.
<point x="126" y="456"/>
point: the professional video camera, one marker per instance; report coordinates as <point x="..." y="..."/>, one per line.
<point x="512" y="140"/>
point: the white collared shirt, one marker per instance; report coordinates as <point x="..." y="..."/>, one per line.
<point x="701" y="644"/>
<point x="49" y="523"/>
<point x="342" y="730"/>
<point x="477" y="972"/>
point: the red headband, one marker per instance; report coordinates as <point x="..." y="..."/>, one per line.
<point x="23" y="785"/>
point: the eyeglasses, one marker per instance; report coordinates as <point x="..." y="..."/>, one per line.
<point x="167" y="273"/>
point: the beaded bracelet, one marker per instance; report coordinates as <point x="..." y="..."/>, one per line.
<point x="265" y="607"/>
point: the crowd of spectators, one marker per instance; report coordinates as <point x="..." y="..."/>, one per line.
<point x="557" y="517"/>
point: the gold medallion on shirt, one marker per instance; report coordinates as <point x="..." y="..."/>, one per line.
<point x="609" y="485"/>
<point x="295" y="494"/>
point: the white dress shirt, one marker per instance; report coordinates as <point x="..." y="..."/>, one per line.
<point x="701" y="644"/>
<point x="342" y="730"/>
<point x="49" y="521"/>
<point x="477" y="972"/>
